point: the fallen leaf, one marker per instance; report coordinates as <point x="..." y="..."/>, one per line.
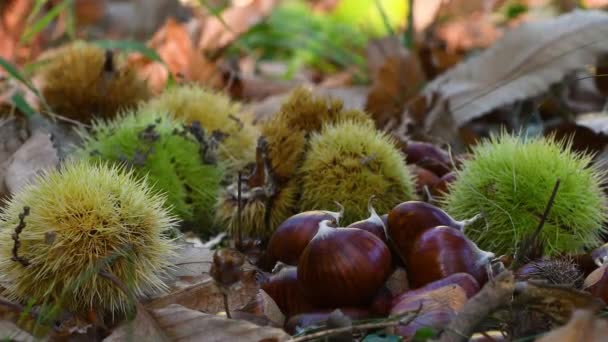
<point x="183" y="324"/>
<point x="9" y="331"/>
<point x="398" y="77"/>
<point x="144" y="326"/>
<point x="218" y="31"/>
<point x="175" y="46"/>
<point x="35" y="156"/>
<point x="472" y="32"/>
<point x="207" y="297"/>
<point x="583" y="326"/>
<point x="524" y="63"/>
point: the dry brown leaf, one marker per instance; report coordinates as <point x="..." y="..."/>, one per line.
<point x="35" y="156"/>
<point x="174" y="45"/>
<point x="13" y="15"/>
<point x="9" y="331"/>
<point x="398" y="76"/>
<point x="524" y="63"/>
<point x="239" y="18"/>
<point x="207" y="297"/>
<point x="13" y="136"/>
<point x="143" y="327"/>
<point x="183" y="324"/>
<point x="583" y="326"/>
<point x="191" y="266"/>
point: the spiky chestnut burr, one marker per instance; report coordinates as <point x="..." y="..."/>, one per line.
<point x="269" y="194"/>
<point x="509" y="180"/>
<point x="178" y="159"/>
<point x="348" y="163"/>
<point x="84" y="81"/>
<point x="218" y="115"/>
<point x="84" y="219"/>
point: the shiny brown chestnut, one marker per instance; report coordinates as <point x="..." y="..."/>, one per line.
<point x="409" y="219"/>
<point x="424" y="178"/>
<point x="441" y="251"/>
<point x="441" y="188"/>
<point x="292" y="236"/>
<point x="372" y="224"/>
<point x="343" y="266"/>
<point x="284" y="289"/>
<point x="428" y="156"/>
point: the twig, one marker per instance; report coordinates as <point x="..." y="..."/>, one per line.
<point x="239" y="227"/>
<point x="15" y="236"/>
<point x="360" y="327"/>
<point x="226" y="307"/>
<point x="547" y="209"/>
<point x="114" y="279"/>
<point x="532" y="242"/>
<point x="493" y="295"/>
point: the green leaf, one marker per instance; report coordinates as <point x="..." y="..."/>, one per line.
<point x="424" y="334"/>
<point x="19" y="101"/>
<point x="13" y="72"/>
<point x="43" y="22"/>
<point x="129" y="45"/>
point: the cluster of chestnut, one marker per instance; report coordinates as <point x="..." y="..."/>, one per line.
<point x="326" y="266"/>
<point x="432" y="168"/>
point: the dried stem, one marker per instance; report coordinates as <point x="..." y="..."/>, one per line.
<point x="533" y="243"/>
<point x="15" y="236"/>
<point x="547" y="209"/>
<point x="239" y="222"/>
<point x="226" y="307"/>
<point x="392" y="321"/>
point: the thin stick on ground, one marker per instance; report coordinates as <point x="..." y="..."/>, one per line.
<point x="391" y="322"/>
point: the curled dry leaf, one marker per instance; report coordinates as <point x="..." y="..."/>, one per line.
<point x="583" y="326"/>
<point x="35" y="156"/>
<point x="524" y="63"/>
<point x="183" y="324"/>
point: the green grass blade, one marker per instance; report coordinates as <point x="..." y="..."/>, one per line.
<point x="19" y="101"/>
<point x="14" y="73"/>
<point x="43" y="22"/>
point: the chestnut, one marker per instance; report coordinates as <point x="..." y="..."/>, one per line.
<point x="343" y="266"/>
<point x="424" y="178"/>
<point x="293" y="234"/>
<point x="373" y="224"/>
<point x="441" y="188"/>
<point x="428" y="156"/>
<point x="441" y="251"/>
<point x="409" y="219"/>
<point x="284" y="289"/>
